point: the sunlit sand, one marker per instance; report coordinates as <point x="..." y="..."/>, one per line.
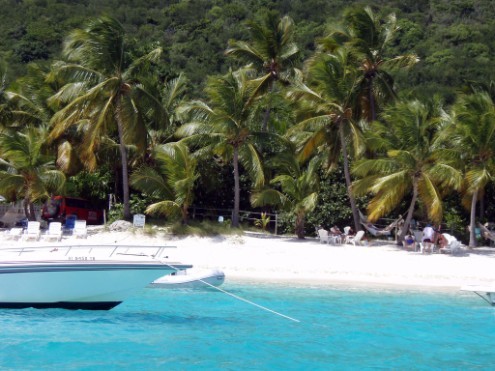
<point x="269" y="258"/>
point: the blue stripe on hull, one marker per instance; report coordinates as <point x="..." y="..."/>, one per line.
<point x="101" y="305"/>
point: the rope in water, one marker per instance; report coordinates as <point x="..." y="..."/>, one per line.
<point x="249" y="302"/>
<point x="235" y="296"/>
<point x="241" y="299"/>
<point x="482" y="297"/>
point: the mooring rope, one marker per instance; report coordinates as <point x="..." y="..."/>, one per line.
<point x="230" y="294"/>
<point x="482" y="297"/>
<point x="241" y="299"/>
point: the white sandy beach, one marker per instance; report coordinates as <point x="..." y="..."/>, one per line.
<point x="307" y="262"/>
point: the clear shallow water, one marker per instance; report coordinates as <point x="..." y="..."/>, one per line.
<point x="208" y="330"/>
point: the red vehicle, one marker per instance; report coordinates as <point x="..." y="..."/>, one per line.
<point x="58" y="208"/>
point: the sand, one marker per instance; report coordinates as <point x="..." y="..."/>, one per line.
<point x="267" y="258"/>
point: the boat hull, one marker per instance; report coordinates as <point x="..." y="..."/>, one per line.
<point x="71" y="305"/>
<point x="77" y="281"/>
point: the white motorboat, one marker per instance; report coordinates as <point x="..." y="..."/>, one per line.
<point x="487" y="293"/>
<point x="192" y="278"/>
<point x="97" y="277"/>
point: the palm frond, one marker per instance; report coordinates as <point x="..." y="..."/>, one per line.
<point x="167" y="207"/>
<point x="150" y="182"/>
<point x="268" y="197"/>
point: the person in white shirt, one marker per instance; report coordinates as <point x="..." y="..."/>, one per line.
<point x="445" y="239"/>
<point x="428" y="237"/>
<point x="428" y="234"/>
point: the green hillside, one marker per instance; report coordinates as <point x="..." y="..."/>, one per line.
<point x="452" y="38"/>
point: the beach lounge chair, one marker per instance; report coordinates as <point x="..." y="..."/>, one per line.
<point x="32" y="231"/>
<point x="80" y="230"/>
<point x="323" y="235"/>
<point x="54" y="231"/>
<point x="14" y="233"/>
<point x="355" y="239"/>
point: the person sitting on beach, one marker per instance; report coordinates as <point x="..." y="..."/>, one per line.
<point x="409" y="242"/>
<point x="337" y="234"/>
<point x="444" y="240"/>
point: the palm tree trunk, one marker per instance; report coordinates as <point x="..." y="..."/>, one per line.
<point x="123" y="157"/>
<point x="27" y="209"/>
<point x="237" y="189"/>
<point x="266" y="118"/>
<point x="410" y="212"/>
<point x="347" y="174"/>
<point x="472" y="223"/>
<point x="372" y="101"/>
<point x="185" y="214"/>
<point x="300" y="226"/>
<point x="32" y="213"/>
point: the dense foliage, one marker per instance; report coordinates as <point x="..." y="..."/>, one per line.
<point x="453" y="38"/>
<point x="241" y="82"/>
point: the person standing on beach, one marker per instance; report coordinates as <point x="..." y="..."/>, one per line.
<point x="428" y="233"/>
<point x="428" y="236"/>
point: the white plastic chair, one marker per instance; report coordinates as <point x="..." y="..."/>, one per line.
<point x="418" y="236"/>
<point x="14" y="233"/>
<point x="54" y="231"/>
<point x="32" y="231"/>
<point x="80" y="229"/>
<point x="323" y="234"/>
<point x="355" y="239"/>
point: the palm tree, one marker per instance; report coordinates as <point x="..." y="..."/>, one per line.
<point x="223" y="128"/>
<point x="26" y="171"/>
<point x="472" y="134"/>
<point x="327" y="127"/>
<point x="172" y="96"/>
<point x="105" y="90"/>
<point x="24" y="102"/>
<point x="298" y="192"/>
<point x="172" y="183"/>
<point x="407" y="162"/>
<point x="369" y="36"/>
<point x="272" y="52"/>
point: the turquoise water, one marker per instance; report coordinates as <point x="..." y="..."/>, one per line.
<point x="339" y="328"/>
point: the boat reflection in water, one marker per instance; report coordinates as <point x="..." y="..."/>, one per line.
<point x="96" y="277"/>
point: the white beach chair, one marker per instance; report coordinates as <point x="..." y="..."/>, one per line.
<point x="323" y="235"/>
<point x="346" y="230"/>
<point x="32" y="231"/>
<point x="418" y="236"/>
<point x="80" y="230"/>
<point x="14" y="233"/>
<point x="54" y="231"/>
<point x="355" y="239"/>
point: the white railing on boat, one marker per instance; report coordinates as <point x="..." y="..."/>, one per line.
<point x="113" y="249"/>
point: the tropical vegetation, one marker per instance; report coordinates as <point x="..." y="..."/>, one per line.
<point x="256" y="105"/>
